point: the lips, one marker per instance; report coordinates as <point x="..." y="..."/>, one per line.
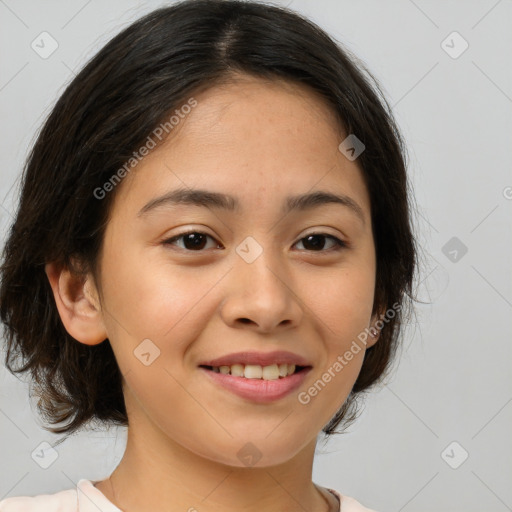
<point x="258" y="390"/>
<point x="258" y="358"/>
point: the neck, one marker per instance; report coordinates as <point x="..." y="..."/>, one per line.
<point x="152" y="474"/>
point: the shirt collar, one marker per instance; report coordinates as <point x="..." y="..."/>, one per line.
<point x="91" y="499"/>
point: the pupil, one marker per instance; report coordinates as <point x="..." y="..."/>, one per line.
<point x="314" y="245"/>
<point x="195" y="239"/>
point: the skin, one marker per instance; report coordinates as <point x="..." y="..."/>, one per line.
<point x="259" y="141"/>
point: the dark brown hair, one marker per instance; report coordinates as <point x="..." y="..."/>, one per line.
<point x="107" y="112"/>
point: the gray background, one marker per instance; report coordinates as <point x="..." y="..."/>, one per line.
<point x="453" y="381"/>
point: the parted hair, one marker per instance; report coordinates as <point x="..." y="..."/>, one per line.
<point x="107" y="112"/>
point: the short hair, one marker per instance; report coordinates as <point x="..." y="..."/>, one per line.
<point x="107" y="112"/>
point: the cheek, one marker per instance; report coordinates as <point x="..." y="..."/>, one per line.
<point x="343" y="301"/>
<point x="340" y="307"/>
<point x="149" y="298"/>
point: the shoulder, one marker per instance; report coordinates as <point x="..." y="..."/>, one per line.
<point x="84" y="498"/>
<point x="62" y="501"/>
<point x="349" y="504"/>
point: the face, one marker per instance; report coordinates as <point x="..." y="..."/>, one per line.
<point x="258" y="277"/>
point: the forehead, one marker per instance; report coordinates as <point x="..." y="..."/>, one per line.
<point x="253" y="110"/>
<point x="254" y="139"/>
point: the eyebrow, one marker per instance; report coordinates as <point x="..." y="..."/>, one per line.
<point x="220" y="201"/>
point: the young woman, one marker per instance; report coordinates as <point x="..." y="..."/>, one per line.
<point x="213" y="247"/>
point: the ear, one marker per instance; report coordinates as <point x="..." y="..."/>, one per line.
<point x="78" y="304"/>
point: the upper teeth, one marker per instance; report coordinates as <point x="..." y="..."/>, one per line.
<point x="255" y="371"/>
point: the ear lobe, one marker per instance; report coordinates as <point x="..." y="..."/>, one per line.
<point x="373" y="338"/>
<point x="77" y="303"/>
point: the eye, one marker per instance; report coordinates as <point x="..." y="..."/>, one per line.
<point x="195" y="241"/>
<point x="192" y="240"/>
<point x="316" y="241"/>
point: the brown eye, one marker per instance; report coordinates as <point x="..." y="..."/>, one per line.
<point x="192" y="240"/>
<point x="197" y="240"/>
<point x="316" y="242"/>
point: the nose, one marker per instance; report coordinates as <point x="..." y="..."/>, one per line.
<point x="262" y="295"/>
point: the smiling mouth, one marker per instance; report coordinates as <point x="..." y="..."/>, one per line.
<point x="254" y="371"/>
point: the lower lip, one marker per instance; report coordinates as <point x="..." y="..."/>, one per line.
<point x="259" y="390"/>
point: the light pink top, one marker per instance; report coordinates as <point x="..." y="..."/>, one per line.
<point x="86" y="498"/>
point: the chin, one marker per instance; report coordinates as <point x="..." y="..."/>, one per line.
<point x="246" y="451"/>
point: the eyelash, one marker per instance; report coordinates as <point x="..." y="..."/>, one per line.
<point x="339" y="244"/>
